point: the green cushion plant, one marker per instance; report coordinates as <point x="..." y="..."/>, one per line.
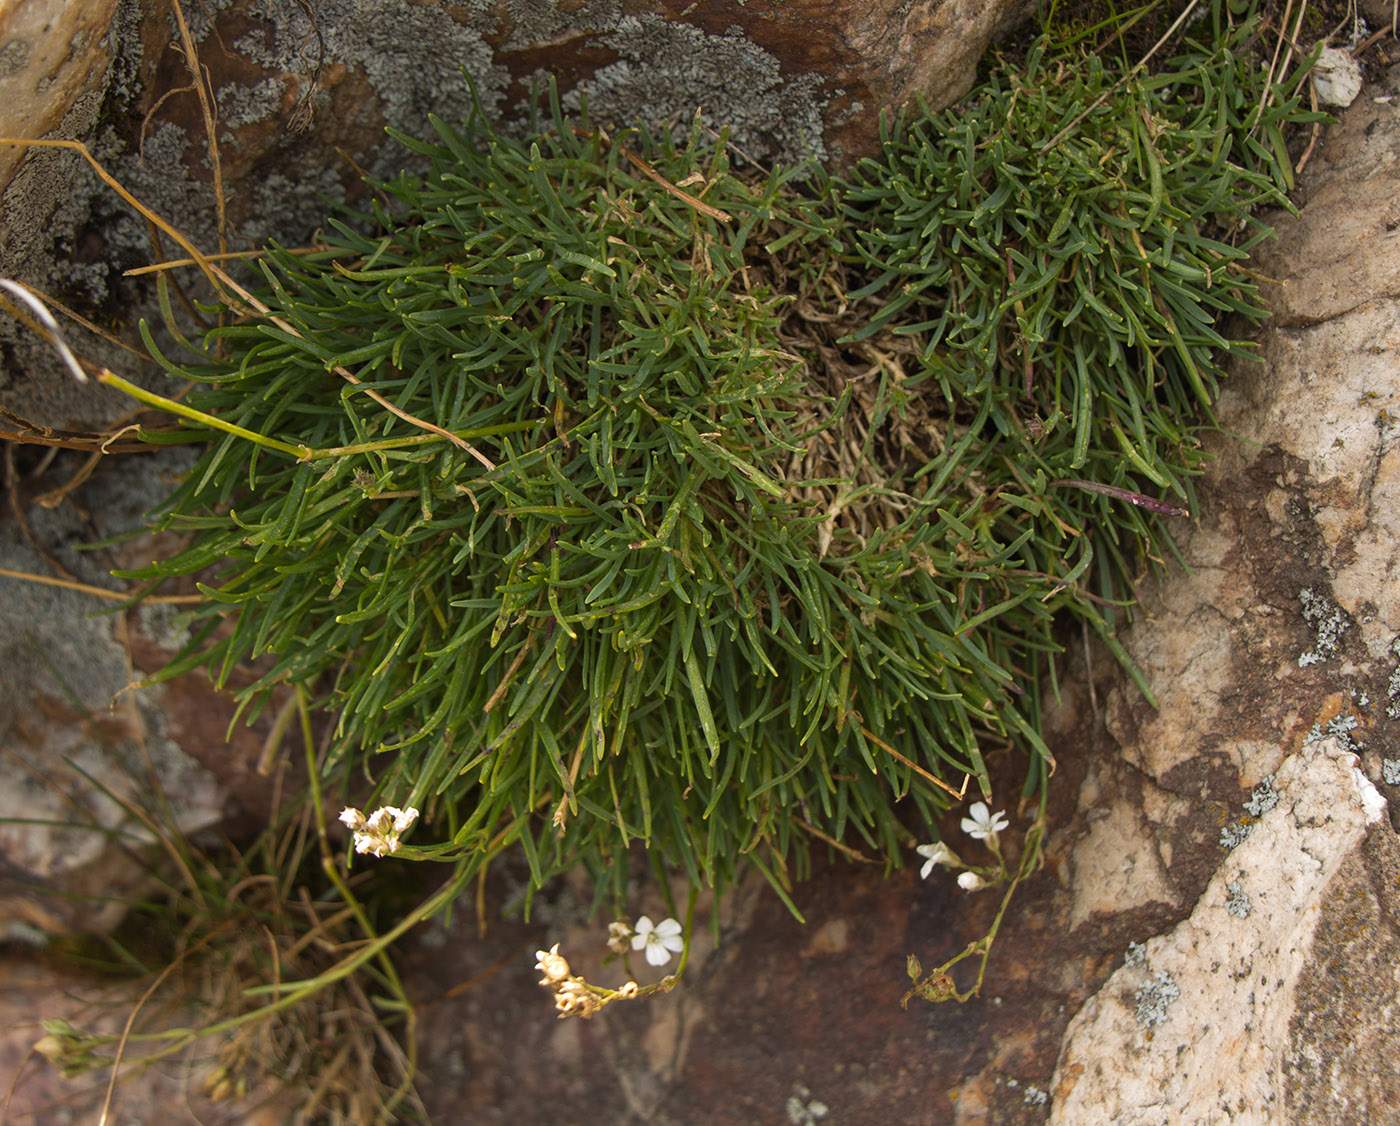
<point x="724" y="513"/>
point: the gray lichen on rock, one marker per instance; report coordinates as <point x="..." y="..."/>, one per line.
<point x="1392" y="688"/>
<point x="240" y="105"/>
<point x="284" y="204"/>
<point x="671" y="69"/>
<point x="1155" y="998"/>
<point x="13" y="57"/>
<point x="534" y="23"/>
<point x="158" y="173"/>
<point x="42" y="209"/>
<point x="1339" y="728"/>
<point x="45" y="198"/>
<point x="1328" y="623"/>
<point x="1262" y="798"/>
<point x="414" y="56"/>
<point x="51" y="195"/>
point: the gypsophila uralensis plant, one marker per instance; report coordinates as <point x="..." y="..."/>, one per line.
<point x="605" y="496"/>
<point x="620" y="616"/>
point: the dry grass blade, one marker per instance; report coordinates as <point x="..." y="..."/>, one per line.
<point x="54" y="497"/>
<point x="130" y="1022"/>
<point x="845" y="849"/>
<point x="13" y="428"/>
<point x="916" y="767"/>
<point x="1286" y="36"/>
<point x="652" y="174"/>
<point x="230" y="256"/>
<point x="200" y="77"/>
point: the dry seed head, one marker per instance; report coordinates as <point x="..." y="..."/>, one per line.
<point x="573" y="999"/>
<point x="553" y="965"/>
<point x="619" y="936"/>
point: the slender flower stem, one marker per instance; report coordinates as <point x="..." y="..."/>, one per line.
<point x="160" y="402"/>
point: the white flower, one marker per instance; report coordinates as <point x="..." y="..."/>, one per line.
<point x="934" y="854"/>
<point x="983" y="823"/>
<point x="658" y="941"/>
<point x="378" y="833"/>
<point x="971" y="881"/>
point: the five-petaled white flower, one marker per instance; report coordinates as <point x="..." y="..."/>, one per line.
<point x="659" y="941"/>
<point x="983" y="823"/>
<point x="935" y="854"/>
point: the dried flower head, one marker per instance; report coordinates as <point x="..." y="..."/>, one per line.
<point x="574" y="999"/>
<point x="552" y="964"/>
<point x="619" y="936"/>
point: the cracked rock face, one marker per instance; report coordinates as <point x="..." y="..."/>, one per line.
<point x="1196" y="1025"/>
<point x="1273" y="999"/>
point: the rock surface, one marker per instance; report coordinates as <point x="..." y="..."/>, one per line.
<point x="1195" y="1027"/>
<point x="1275" y="665"/>
<point x="53" y="67"/>
<point x="79" y="752"/>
